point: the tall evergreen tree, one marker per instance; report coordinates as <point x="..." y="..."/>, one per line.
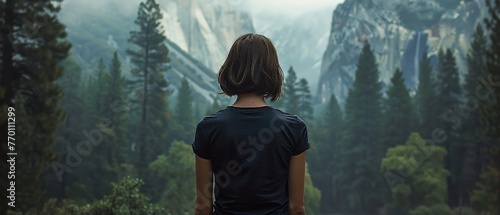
<point x="94" y="94"/>
<point x="100" y="161"/>
<point x="329" y="152"/>
<point x="291" y="95"/>
<point x="448" y="80"/>
<point x="334" y="119"/>
<point x="108" y="103"/>
<point x="116" y="110"/>
<point x="473" y="140"/>
<point x="360" y="147"/>
<point x="69" y="132"/>
<point x="399" y="120"/>
<point x="399" y="113"/>
<point x="449" y="93"/>
<point x="149" y="61"/>
<point x="476" y="60"/>
<point x="305" y="105"/>
<point x="33" y="43"/>
<point x="488" y="194"/>
<point x="149" y="64"/>
<point x="426" y="98"/>
<point x="297" y="96"/>
<point x="184" y="112"/>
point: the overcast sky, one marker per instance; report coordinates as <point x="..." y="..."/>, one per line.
<point x="290" y="7"/>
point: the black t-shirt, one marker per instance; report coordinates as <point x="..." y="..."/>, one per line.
<point x="250" y="150"/>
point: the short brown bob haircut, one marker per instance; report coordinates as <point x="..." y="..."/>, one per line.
<point x="252" y="67"/>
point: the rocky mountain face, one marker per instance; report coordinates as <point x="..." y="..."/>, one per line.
<point x="300" y="40"/>
<point x="205" y="29"/>
<point x="202" y="80"/>
<point x="199" y="34"/>
<point x="400" y="32"/>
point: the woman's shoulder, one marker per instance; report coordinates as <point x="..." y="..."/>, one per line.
<point x="212" y="117"/>
<point x="289" y="118"/>
<point x="224" y="115"/>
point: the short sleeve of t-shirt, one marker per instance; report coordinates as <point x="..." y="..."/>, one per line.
<point x="200" y="143"/>
<point x="302" y="140"/>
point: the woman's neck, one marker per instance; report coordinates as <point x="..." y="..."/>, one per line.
<point x="250" y="100"/>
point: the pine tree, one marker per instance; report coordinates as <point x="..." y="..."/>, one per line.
<point x="184" y="112"/>
<point x="399" y="113"/>
<point x="448" y="80"/>
<point x="488" y="194"/>
<point x="449" y="93"/>
<point x="116" y="110"/>
<point x="69" y="132"/>
<point x="297" y="97"/>
<point x="109" y="102"/>
<point x="100" y="162"/>
<point x="360" y="147"/>
<point x="476" y="59"/>
<point x="149" y="82"/>
<point x="473" y="140"/>
<point x="334" y="119"/>
<point x="317" y="163"/>
<point x="330" y="153"/>
<point x="32" y="43"/>
<point x="291" y="95"/>
<point x="426" y="98"/>
<point x="94" y="94"/>
<point x="305" y="109"/>
<point x="399" y="119"/>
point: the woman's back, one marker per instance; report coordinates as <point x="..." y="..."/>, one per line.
<point x="250" y="150"/>
<point x="255" y="153"/>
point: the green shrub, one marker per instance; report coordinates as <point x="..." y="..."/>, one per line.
<point x="125" y="199"/>
<point x="464" y="211"/>
<point x="436" y="209"/>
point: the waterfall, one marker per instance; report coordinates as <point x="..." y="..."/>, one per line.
<point x="417" y="57"/>
<point x="410" y="60"/>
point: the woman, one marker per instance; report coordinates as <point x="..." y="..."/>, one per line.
<point x="255" y="153"/>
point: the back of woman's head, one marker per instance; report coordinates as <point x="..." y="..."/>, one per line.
<point x="252" y="67"/>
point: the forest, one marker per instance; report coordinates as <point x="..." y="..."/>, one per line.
<point x="118" y="141"/>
